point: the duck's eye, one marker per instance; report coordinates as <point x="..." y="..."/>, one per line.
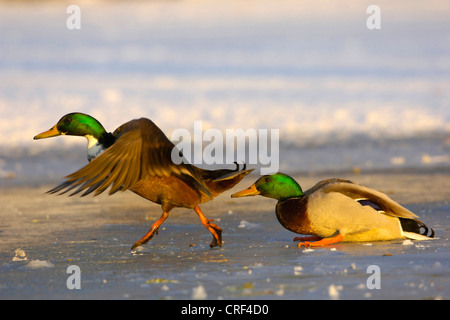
<point x="68" y="119"/>
<point x="267" y="179"/>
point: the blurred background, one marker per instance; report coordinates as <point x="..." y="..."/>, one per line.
<point x="344" y="97"/>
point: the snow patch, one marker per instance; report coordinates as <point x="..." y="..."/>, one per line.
<point x="39" y="264"/>
<point x="248" y="225"/>
<point x="334" y="291"/>
<point x="199" y="293"/>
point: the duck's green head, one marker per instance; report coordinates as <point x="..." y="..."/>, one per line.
<point x="75" y="124"/>
<point x="278" y="186"/>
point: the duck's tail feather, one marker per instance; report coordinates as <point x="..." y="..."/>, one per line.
<point x="416" y="230"/>
<point x="219" y="181"/>
<point x="220" y="174"/>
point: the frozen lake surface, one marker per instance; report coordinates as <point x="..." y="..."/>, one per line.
<point x="258" y="260"/>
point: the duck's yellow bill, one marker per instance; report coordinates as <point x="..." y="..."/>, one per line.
<point x="251" y="191"/>
<point x="53" y="132"/>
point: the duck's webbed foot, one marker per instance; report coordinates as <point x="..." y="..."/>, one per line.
<point x="213" y="228"/>
<point x="322" y="242"/>
<point x="217" y="235"/>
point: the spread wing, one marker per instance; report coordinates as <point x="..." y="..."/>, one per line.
<point x="141" y="149"/>
<point x="371" y="197"/>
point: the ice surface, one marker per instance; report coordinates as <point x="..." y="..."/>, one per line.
<point x="96" y="234"/>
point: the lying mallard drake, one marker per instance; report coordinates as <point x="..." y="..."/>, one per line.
<point x="137" y="156"/>
<point x="337" y="210"/>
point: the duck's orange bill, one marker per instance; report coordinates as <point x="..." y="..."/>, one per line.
<point x="53" y="132"/>
<point x="251" y="191"/>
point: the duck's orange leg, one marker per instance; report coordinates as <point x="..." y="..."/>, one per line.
<point x="152" y="231"/>
<point x="213" y="228"/>
<point x="323" y="242"/>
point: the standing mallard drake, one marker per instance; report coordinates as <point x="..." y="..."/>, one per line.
<point x="137" y="156"/>
<point x="337" y="210"/>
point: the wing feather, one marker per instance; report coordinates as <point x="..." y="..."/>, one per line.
<point x="356" y="191"/>
<point x="141" y="149"/>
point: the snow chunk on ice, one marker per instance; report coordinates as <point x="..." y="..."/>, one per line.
<point x="298" y="270"/>
<point x="37" y="264"/>
<point x="165" y="288"/>
<point x="437" y="265"/>
<point x="280" y="292"/>
<point x="248" y="225"/>
<point x="333" y="291"/>
<point x="199" y="293"/>
<point x="20" y="255"/>
<point x="407" y="243"/>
